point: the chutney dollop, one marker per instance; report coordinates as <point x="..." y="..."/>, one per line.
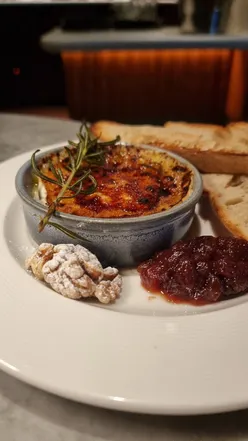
<point x="205" y="269"/>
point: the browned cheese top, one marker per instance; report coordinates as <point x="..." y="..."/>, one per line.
<point x="132" y="182"/>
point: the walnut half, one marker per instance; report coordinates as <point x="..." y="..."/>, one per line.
<point x="74" y="272"/>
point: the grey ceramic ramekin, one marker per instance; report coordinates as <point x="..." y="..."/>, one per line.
<point x="120" y="242"/>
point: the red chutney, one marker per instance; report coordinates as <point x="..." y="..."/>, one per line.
<point x="199" y="271"/>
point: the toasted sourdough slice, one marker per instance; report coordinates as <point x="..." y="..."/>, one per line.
<point x="229" y="197"/>
<point x="202" y="131"/>
<point x="212" y="149"/>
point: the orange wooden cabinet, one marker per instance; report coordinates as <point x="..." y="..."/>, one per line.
<point x="156" y="85"/>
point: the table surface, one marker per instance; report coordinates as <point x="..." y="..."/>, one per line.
<point x="58" y="40"/>
<point x="28" y="414"/>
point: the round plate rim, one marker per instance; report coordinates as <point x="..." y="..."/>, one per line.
<point x="141" y="332"/>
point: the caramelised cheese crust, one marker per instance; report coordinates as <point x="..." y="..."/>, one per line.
<point x="132" y="182"/>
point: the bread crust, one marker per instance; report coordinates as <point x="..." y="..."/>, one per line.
<point x="215" y="189"/>
<point x="210" y="148"/>
<point x="224" y="218"/>
<point x="214" y="162"/>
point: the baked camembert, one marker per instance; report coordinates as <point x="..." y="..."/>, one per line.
<point x="131" y="182"/>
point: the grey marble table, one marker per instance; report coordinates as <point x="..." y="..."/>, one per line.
<point x="27" y="414"/>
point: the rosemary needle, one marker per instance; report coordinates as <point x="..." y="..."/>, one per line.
<point x="86" y="153"/>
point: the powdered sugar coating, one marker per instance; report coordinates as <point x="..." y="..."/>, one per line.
<point x="36" y="262"/>
<point x="107" y="290"/>
<point x="74" y="272"/>
<point x="110" y="273"/>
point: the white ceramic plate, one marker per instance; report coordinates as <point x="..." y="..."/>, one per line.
<point x="141" y="354"/>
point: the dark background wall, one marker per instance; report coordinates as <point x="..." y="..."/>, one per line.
<point x="31" y="77"/>
<point x="28" y="75"/>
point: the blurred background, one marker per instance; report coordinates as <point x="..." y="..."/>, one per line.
<point x="129" y="85"/>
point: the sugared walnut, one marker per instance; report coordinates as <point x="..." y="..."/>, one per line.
<point x="38" y="259"/>
<point x="107" y="290"/>
<point x="74" y="272"/>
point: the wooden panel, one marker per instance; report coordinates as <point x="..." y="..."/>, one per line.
<point x="148" y="86"/>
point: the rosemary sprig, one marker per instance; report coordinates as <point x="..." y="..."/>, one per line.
<point x="88" y="152"/>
